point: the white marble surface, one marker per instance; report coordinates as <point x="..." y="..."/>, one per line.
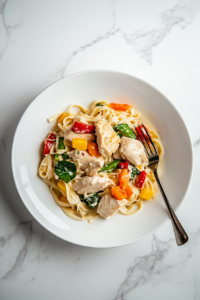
<point x="42" y="41"/>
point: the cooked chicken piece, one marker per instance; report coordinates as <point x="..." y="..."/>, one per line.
<point x="117" y="155"/>
<point x="70" y="135"/>
<point x="133" y="151"/>
<point x="87" y="162"/>
<point x="108" y="206"/>
<point x="107" y="139"/>
<point x="90" y="185"/>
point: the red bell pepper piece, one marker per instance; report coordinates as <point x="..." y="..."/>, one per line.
<point x="141" y="129"/>
<point x="79" y="127"/>
<point x="123" y="165"/>
<point x="48" y="143"/>
<point x="141" y="179"/>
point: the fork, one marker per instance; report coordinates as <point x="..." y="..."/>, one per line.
<point x="180" y="234"/>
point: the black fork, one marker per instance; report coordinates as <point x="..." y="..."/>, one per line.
<point x="180" y="234"/>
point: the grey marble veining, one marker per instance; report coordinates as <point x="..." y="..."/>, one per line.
<point x="41" y="42"/>
<point x="143" y="40"/>
<point x="25" y="228"/>
<point x="8" y="28"/>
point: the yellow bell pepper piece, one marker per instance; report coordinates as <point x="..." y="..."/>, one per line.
<point x="146" y="194"/>
<point x="62" y="117"/>
<point x="79" y="144"/>
<point x="62" y="186"/>
<point x="140" y="167"/>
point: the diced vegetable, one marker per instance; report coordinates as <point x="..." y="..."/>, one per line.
<point x="48" y="143"/>
<point x="117" y="106"/>
<point x="110" y="167"/>
<point x="146" y="194"/>
<point x="125" y="130"/>
<point x="92" y="201"/>
<point x="61" y="144"/>
<point x="62" y="117"/>
<point x="141" y="129"/>
<point x="99" y="104"/>
<point x="128" y="191"/>
<point x="124" y="178"/>
<point x="141" y="179"/>
<point x="79" y="144"/>
<point x="79" y="127"/>
<point x="118" y="193"/>
<point x="123" y="165"/>
<point x="134" y="172"/>
<point x="62" y="186"/>
<point x="65" y="170"/>
<point x="93" y="149"/>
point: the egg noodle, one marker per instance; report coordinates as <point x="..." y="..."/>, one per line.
<point x="63" y="193"/>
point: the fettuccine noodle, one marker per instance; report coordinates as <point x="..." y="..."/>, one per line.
<point x="62" y="192"/>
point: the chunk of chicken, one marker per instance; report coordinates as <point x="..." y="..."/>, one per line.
<point x="107" y="139"/>
<point x="70" y="135"/>
<point x="85" y="161"/>
<point x="108" y="206"/>
<point x="133" y="151"/>
<point x="90" y="185"/>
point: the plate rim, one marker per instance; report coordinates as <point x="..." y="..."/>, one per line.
<point x="140" y="81"/>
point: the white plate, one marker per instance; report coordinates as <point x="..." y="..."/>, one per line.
<point x="82" y="88"/>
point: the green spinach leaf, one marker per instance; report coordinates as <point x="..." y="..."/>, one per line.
<point x="65" y="156"/>
<point x="92" y="201"/>
<point x="65" y="170"/>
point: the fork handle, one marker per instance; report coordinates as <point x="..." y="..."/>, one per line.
<point x="180" y="234"/>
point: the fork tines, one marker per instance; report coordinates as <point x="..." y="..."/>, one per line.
<point x="145" y="142"/>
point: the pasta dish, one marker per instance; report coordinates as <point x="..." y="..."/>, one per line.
<point x="94" y="162"/>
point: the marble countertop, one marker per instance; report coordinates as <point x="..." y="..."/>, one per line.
<point x="43" y="41"/>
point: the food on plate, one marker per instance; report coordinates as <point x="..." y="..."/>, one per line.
<point x="94" y="162"/>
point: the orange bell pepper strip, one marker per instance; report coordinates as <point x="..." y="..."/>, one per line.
<point x="128" y="191"/>
<point x="117" y="106"/>
<point x="92" y="148"/>
<point x="118" y="193"/>
<point x="124" y="178"/>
